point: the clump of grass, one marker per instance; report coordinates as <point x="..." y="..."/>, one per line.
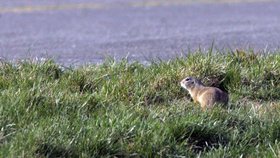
<point x="129" y="109"/>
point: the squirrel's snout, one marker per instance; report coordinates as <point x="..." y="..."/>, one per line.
<point x="182" y="83"/>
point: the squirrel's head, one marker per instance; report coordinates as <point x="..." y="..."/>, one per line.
<point x="189" y="83"/>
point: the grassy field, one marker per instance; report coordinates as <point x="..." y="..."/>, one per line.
<point x="128" y="109"/>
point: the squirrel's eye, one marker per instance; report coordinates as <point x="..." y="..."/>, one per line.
<point x="187" y="79"/>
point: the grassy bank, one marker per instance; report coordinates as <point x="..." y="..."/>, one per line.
<point x="127" y="109"/>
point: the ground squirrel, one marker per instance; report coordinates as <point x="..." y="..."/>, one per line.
<point x="206" y="96"/>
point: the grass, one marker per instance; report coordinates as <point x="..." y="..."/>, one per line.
<point x="128" y="109"/>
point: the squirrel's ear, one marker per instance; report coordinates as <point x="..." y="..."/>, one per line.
<point x="196" y="81"/>
<point x="199" y="82"/>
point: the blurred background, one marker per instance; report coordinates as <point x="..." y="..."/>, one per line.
<point x="78" y="32"/>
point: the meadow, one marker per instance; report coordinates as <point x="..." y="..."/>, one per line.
<point x="127" y="109"/>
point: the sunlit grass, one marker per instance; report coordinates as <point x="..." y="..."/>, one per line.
<point x="129" y="109"/>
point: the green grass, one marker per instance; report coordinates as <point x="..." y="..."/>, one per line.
<point x="128" y="109"/>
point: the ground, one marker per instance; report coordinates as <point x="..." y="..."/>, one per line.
<point x="83" y="31"/>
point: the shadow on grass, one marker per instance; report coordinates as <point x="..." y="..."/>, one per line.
<point x="200" y="138"/>
<point x="49" y="150"/>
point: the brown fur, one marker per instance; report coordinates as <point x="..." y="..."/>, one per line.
<point x="207" y="97"/>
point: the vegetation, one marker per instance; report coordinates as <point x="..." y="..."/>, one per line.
<point x="129" y="109"/>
